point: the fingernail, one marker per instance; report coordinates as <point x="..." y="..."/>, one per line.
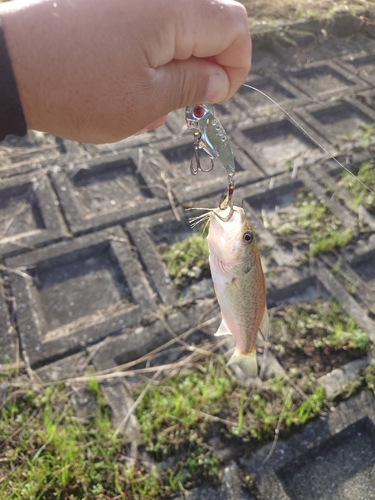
<point x="217" y="89"/>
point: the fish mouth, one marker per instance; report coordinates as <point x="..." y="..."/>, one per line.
<point x="230" y="228"/>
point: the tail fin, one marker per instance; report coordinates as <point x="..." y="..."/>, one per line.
<point x="247" y="362"/>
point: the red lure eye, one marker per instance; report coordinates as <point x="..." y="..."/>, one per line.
<point x="198" y="111"/>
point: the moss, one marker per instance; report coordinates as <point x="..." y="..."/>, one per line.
<point x="187" y="259"/>
<point x="361" y="195"/>
<point x="325" y="322"/>
<point x="310" y="223"/>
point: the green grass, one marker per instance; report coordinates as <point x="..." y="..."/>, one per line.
<point x="326" y="232"/>
<point x="169" y="412"/>
<point x="267" y="407"/>
<point x="365" y="133"/>
<point x="173" y="416"/>
<point x="365" y="380"/>
<point x="325" y="322"/>
<point x="369" y="376"/>
<point x="48" y="453"/>
<point x="187" y="259"/>
<point x="312" y="224"/>
<point x="52" y="454"/>
<point x="361" y="196"/>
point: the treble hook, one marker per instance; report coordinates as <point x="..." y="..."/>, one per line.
<point x="227" y="201"/>
<point x="195" y="169"/>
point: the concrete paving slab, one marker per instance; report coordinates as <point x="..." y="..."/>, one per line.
<point x="330" y="178"/>
<point x="120" y="402"/>
<point x="30" y="148"/>
<point x="171" y="162"/>
<point x="230" y="488"/>
<point x="133" y="346"/>
<point x="364" y="268"/>
<point x="8" y="335"/>
<point x="340" y="120"/>
<point x="280" y="90"/>
<point x="264" y="57"/>
<point x="67" y="367"/>
<point x="344" y="471"/>
<point x="76" y="293"/>
<point x="362" y="64"/>
<point x="364" y="291"/>
<point x="276" y="144"/>
<point x="341" y="378"/>
<point x="326" y="460"/>
<point x="29" y="214"/>
<point x="348" y="303"/>
<point x="343" y="24"/>
<point x="103" y="192"/>
<point x="324" y="78"/>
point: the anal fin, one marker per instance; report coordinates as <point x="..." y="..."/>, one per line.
<point x="222" y="330"/>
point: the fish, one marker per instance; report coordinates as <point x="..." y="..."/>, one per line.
<point x="239" y="284"/>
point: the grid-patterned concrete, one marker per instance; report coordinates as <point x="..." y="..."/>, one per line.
<point x="81" y="228"/>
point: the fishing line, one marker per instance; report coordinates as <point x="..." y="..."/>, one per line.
<point x="309" y="136"/>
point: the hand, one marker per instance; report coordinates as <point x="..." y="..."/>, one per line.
<point x="98" y="71"/>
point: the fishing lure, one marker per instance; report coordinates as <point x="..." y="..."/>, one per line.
<point x="210" y="136"/>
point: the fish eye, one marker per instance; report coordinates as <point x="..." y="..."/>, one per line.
<point x="248" y="237"/>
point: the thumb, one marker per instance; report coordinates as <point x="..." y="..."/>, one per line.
<point x="184" y="83"/>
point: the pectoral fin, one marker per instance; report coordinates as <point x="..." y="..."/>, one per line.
<point x="247" y="363"/>
<point x="223" y="330"/>
<point x="265" y="324"/>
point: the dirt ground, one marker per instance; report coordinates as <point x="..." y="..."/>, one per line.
<point x="292" y="10"/>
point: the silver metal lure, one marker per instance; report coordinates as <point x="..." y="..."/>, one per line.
<point x="210" y="136"/>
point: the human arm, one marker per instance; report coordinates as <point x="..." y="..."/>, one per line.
<point x="99" y="71"/>
<point x="12" y="120"/>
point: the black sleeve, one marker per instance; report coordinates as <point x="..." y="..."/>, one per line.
<point x="12" y="120"/>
